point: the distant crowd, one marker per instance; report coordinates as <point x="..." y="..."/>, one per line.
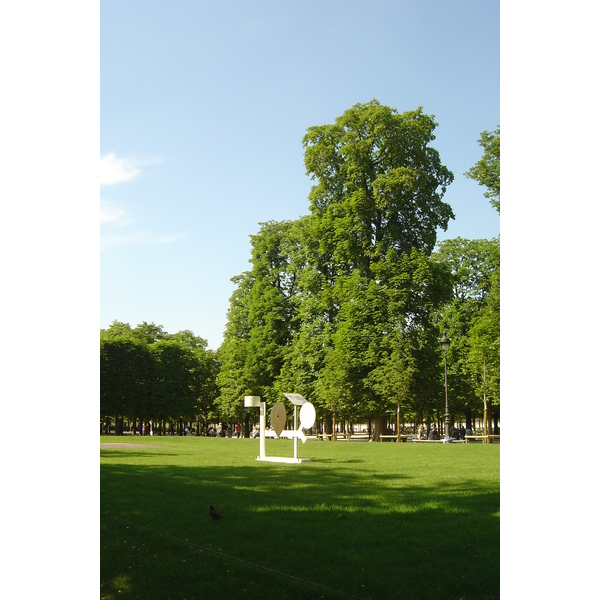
<point x="432" y="433"/>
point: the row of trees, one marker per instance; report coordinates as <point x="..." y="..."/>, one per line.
<point x="346" y="304"/>
<point x="148" y="375"/>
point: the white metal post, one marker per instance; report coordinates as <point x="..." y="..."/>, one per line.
<point x="295" y="429"/>
<point x="263" y="427"/>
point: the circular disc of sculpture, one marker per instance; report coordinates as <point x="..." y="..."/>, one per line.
<point x="278" y="418"/>
<point x="307" y="415"/>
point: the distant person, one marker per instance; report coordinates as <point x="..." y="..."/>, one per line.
<point x="421" y="432"/>
<point x="468" y="431"/>
<point x="238" y="430"/>
<point x="433" y="434"/>
<point x="461" y="432"/>
<point x="186" y="431"/>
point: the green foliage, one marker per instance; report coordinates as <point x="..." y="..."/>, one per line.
<point x="331" y="297"/>
<point x="261" y="320"/>
<point x="380" y="184"/>
<point x="472" y="319"/>
<point x="125" y="375"/>
<point x="147" y="373"/>
<point x="483" y="359"/>
<point x="344" y="305"/>
<point x="487" y="170"/>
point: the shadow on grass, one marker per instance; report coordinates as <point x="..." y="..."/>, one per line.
<point x="338" y="460"/>
<point x="351" y="532"/>
<point x="129" y="454"/>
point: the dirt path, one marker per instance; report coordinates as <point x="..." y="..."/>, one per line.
<point x="118" y="445"/>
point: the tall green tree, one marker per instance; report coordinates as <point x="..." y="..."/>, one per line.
<point x="379" y="184"/>
<point x="379" y="189"/>
<point x="126" y="372"/>
<point x="487" y="169"/>
<point x="173" y="386"/>
<point x="484" y="340"/>
<point x="475" y="267"/>
<point x="233" y="381"/>
<point x="261" y="320"/>
<point x="203" y="368"/>
<point x="483" y="359"/>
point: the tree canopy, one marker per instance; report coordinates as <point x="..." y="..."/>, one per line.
<point x="346" y="304"/>
<point x="339" y="298"/>
<point x="487" y="170"/>
<point x="148" y="374"/>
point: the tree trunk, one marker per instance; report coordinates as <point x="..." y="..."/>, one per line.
<point x="380" y="423"/>
<point x="486" y="417"/>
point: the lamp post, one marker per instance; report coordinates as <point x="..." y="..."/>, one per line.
<point x="445" y="344"/>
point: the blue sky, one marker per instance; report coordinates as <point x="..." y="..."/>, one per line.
<point x="203" y="106"/>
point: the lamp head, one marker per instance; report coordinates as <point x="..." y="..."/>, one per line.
<point x="444" y="342"/>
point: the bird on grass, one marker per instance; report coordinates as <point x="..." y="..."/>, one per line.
<point x="215" y="515"/>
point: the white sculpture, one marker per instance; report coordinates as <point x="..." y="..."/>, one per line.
<point x="278" y="418"/>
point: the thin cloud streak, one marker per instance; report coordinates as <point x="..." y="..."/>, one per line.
<point x="111" y="214"/>
<point x="116" y="170"/>
<point x="111" y="241"/>
<point x="113" y="171"/>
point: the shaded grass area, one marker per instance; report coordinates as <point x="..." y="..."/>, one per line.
<point x="361" y="520"/>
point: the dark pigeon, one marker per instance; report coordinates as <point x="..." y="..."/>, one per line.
<point x="215" y="515"/>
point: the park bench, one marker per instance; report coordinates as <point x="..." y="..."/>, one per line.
<point x="341" y="436"/>
<point x="329" y="436"/>
<point x="483" y="438"/>
<point x="403" y="437"/>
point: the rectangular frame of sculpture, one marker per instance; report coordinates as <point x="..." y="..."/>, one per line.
<point x="297" y="400"/>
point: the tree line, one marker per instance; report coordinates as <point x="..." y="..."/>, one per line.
<point x="152" y="377"/>
<point x="344" y="305"/>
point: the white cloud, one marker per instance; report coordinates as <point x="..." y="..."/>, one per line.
<point x="116" y="170"/>
<point x="111" y="214"/>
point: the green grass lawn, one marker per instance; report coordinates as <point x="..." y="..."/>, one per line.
<point x="362" y="520"/>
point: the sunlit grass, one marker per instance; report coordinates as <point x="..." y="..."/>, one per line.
<point x="361" y="519"/>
